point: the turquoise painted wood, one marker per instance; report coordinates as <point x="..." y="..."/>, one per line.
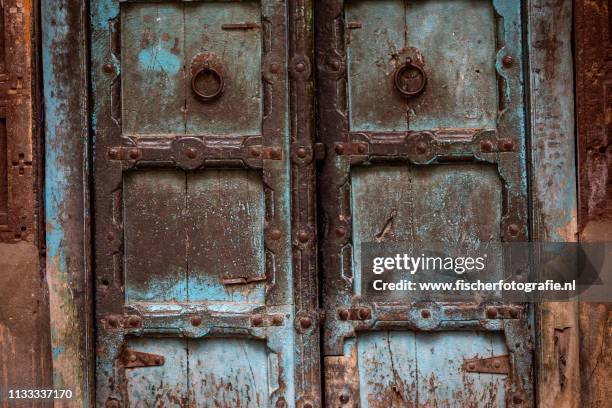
<point x="425" y="119"/>
<point x="193" y="268"/>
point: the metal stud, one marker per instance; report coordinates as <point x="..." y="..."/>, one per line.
<point x="275" y="234"/>
<point x="303" y="236"/>
<point x="305" y="322"/>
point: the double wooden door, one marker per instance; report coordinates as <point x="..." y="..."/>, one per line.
<point x="229" y="228"/>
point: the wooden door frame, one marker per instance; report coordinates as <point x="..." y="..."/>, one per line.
<point x="65" y="55"/>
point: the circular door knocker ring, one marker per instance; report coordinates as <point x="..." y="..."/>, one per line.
<point x="410" y="79"/>
<point x="207" y="70"/>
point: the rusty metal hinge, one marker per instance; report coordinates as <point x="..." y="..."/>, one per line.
<point x="243" y="280"/>
<point x="490" y="365"/>
<point x="135" y="359"/>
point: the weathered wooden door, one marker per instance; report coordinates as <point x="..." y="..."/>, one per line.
<point x="193" y="251"/>
<point x="421" y="110"/>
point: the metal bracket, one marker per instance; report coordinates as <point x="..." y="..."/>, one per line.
<point x="490" y="365"/>
<point x="265" y="320"/>
<point x="243" y="280"/>
<point x="265" y="152"/>
<point x="361" y="313"/>
<point x="135" y="359"/>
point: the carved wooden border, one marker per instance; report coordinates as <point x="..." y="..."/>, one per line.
<point x="17" y="147"/>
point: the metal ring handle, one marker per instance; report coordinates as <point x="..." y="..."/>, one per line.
<point x="216" y="73"/>
<point x="409" y="65"/>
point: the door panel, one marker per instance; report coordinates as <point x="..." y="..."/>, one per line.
<point x="194" y="295"/>
<point x="456" y="34"/>
<point x="425" y="144"/>
<point x="399" y="369"/>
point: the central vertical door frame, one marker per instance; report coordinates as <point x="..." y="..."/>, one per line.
<point x="553" y="190"/>
<point x="303" y="214"/>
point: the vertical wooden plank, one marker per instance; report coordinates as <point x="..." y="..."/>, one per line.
<point x="238" y="52"/>
<point x="225" y="213"/>
<point x="374" y="104"/>
<point x="158" y="386"/>
<point x="424" y="204"/>
<point x="64" y="41"/>
<point x="387" y="363"/>
<point x="553" y="189"/>
<point x="155" y="237"/>
<point x="152" y="71"/>
<point x="458" y="42"/>
<point x="441" y="379"/>
<point x="228" y="373"/>
<point x="593" y="47"/>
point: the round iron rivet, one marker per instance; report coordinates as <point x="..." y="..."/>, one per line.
<point x="133" y="357"/>
<point x="276" y="319"/>
<point x="191" y="153"/>
<point x="134" y="321"/>
<point x="339" y="148"/>
<point x="344" y="397"/>
<point x="307" y="405"/>
<point x="196" y="321"/>
<point x="134" y="154"/>
<point x="486" y="146"/>
<point x="335" y="64"/>
<point x="340" y="231"/>
<point x="305" y="322"/>
<point x="257" y="320"/>
<point x="361" y="148"/>
<point x="276" y="153"/>
<point x="514" y="313"/>
<point x="425" y="314"/>
<point x="472" y="366"/>
<point x="275" y="234"/>
<point x="517" y="399"/>
<point x="492" y="313"/>
<point x="507" y="60"/>
<point x="508" y="145"/>
<point x="256" y="152"/>
<point x="301" y="152"/>
<point x="364" y="313"/>
<point x="496" y="364"/>
<point x="113" y="321"/>
<point x="300" y="67"/>
<point x="303" y="236"/>
<point x="113" y="153"/>
<point x="513" y="229"/>
<point x="343" y="314"/>
<point x="275" y="68"/>
<point x="108" y="68"/>
<point x="421" y="148"/>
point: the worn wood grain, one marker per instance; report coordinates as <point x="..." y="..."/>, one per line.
<point x="154" y="206"/>
<point x="554" y="190"/>
<point x="239" y="53"/>
<point x="154" y="82"/>
<point x="64" y="43"/>
<point x="225" y="209"/>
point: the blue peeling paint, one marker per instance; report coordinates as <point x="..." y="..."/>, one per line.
<point x="159" y="60"/>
